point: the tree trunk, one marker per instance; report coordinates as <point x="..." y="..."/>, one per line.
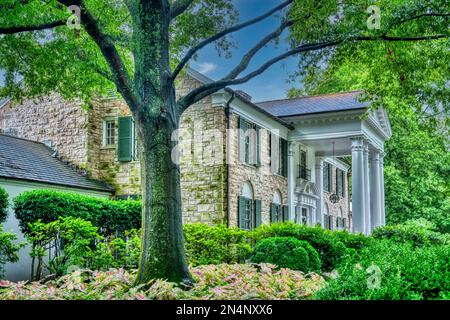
<point x="163" y="255"/>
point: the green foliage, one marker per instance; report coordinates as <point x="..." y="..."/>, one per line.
<point x="418" y="232"/>
<point x="70" y="242"/>
<point x="108" y="215"/>
<point x="287" y="252"/>
<point x="215" y="244"/>
<point x="403" y="272"/>
<point x="73" y="243"/>
<point x="408" y="78"/>
<point x="120" y="252"/>
<point x="3" y="204"/>
<point x="212" y="282"/>
<point x="50" y="61"/>
<point x="8" y="249"/>
<point x="332" y="246"/>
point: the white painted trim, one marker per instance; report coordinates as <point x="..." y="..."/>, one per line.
<point x="104" y="120"/>
<point x="337" y="163"/>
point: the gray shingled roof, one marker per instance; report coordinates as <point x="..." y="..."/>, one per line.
<point x="314" y="104"/>
<point x="33" y="161"/>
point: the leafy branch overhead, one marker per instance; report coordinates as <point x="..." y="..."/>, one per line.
<point x="312" y="28"/>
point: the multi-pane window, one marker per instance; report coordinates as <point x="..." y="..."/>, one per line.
<point x="249" y="212"/>
<point x="249" y="142"/>
<point x="327" y="177"/>
<point x="109" y="132"/>
<point x="304" y="172"/>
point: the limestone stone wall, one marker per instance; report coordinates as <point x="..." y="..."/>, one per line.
<point x="202" y="160"/>
<point x="125" y="177"/>
<point x="263" y="181"/>
<point x="52" y="119"/>
<point x="333" y="208"/>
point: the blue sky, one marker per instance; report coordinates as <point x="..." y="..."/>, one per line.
<point x="273" y="83"/>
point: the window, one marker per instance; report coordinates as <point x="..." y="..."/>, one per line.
<point x="340" y="182"/>
<point x="304" y="172"/>
<point x="109" y="132"/>
<point x="305" y="216"/>
<point x="327" y="177"/>
<point x="249" y="210"/>
<point x="249" y="135"/>
<point x="278" y="212"/>
<point x="278" y="152"/>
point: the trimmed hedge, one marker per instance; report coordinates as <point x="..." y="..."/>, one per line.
<point x="287" y="252"/>
<point x="110" y="216"/>
<point x="333" y="246"/>
<point x="215" y="244"/>
<point x="3" y="204"/>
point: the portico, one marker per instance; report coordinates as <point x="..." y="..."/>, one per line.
<point x="346" y="138"/>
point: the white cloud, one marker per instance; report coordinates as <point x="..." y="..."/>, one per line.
<point x="205" y="67"/>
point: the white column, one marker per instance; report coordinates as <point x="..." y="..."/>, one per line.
<point x="366" y="188"/>
<point x="319" y="182"/>
<point x="358" y="197"/>
<point x="375" y="191"/>
<point x="291" y="180"/>
<point x="383" y="208"/>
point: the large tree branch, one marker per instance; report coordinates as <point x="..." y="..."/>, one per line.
<point x="417" y="17"/>
<point x="36" y="27"/>
<point x="209" y="88"/>
<point x="191" y="52"/>
<point x="252" y="52"/>
<point x="179" y="7"/>
<point x="104" y="42"/>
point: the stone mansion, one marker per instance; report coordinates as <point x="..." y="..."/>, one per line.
<point x="296" y="167"/>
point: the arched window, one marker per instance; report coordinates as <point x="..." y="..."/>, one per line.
<point x="247" y="190"/>
<point x="249" y="209"/>
<point x="276" y="208"/>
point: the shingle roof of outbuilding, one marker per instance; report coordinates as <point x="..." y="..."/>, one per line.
<point x="33" y="161"/>
<point x="314" y="104"/>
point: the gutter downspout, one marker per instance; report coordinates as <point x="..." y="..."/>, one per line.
<point x="228" y="112"/>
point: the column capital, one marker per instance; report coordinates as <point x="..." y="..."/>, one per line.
<point x="357" y="143"/>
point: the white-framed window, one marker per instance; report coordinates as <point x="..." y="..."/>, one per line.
<point x="109" y="132"/>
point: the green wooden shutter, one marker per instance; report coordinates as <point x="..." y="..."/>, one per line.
<point x="241" y="210"/>
<point x="273" y="212"/>
<point x="285" y="213"/>
<point x="125" y="143"/>
<point x="258" y="219"/>
<point x="284" y="154"/>
<point x="242" y="129"/>
<point x="258" y="146"/>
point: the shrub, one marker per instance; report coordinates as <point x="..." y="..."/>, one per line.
<point x="419" y="232"/>
<point x="390" y="270"/>
<point x="3" y="204"/>
<point x="215" y="244"/>
<point x="287" y="252"/>
<point x="221" y="282"/>
<point x="69" y="241"/>
<point x="330" y="245"/>
<point x="109" y="216"/>
<point x="8" y="249"/>
<point x="74" y="243"/>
